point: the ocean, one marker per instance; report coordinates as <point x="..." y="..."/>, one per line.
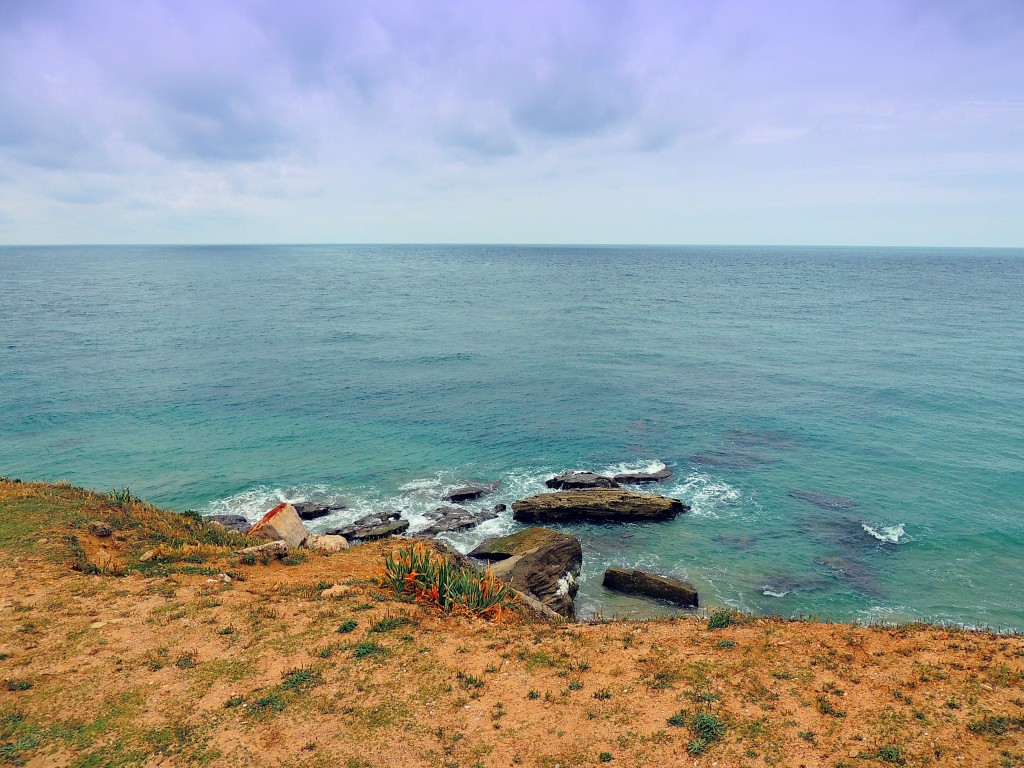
<point x="847" y="424"/>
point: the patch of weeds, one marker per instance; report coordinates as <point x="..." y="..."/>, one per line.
<point x="533" y="695"/>
<point x="678" y="720"/>
<point x="575" y="685"/>
<point x="469" y="681"/>
<point x="697" y="746"/>
<point x="295" y="558"/>
<point x="18" y="685"/>
<point x="663" y="680"/>
<point x="347" y="626"/>
<point x="808" y="736"/>
<point x="719" y="620"/>
<point x="301" y="679"/>
<point x="233" y="702"/>
<point x="187" y="661"/>
<point x="273" y="702"/>
<point x="247" y="559"/>
<point x="389" y="623"/>
<point x="603" y="694"/>
<point x="605" y="757"/>
<point x="891" y="755"/>
<point x="826" y="708"/>
<point x="367" y="649"/>
<point x="226" y="631"/>
<point x="325" y="652"/>
<point x="996" y="725"/>
<point x="707" y="727"/>
<point x="726" y="645"/>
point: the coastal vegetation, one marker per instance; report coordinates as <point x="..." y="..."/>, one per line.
<point x="134" y="636"/>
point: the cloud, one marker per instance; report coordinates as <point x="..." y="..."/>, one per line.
<point x="178" y="104"/>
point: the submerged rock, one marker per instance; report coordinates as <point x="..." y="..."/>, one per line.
<point x="236" y="523"/>
<point x="448" y="519"/>
<point x="633" y="478"/>
<point x="577" y="480"/>
<point x="375" y="526"/>
<point x="471" y="490"/>
<point x="601" y="505"/>
<point x="282" y="523"/>
<point x="824" y="500"/>
<point x="542" y="563"/>
<point x="648" y="584"/>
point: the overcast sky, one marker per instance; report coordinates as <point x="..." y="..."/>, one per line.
<point x="694" y="121"/>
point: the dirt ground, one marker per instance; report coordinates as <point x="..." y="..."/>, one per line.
<point x="192" y="658"/>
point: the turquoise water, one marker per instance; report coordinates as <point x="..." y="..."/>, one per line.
<point x="227" y="378"/>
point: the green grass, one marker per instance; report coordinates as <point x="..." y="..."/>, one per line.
<point x="720" y="620"/>
<point x="347" y="626"/>
<point x="301" y="679"/>
<point x="996" y="725"/>
<point x="367" y="649"/>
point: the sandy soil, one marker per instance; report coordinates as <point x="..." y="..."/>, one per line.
<point x="178" y="666"/>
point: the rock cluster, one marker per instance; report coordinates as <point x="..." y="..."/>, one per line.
<point x="375" y="526"/>
<point x="449" y="519"/>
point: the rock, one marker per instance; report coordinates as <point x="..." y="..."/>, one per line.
<point x="542" y="563"/>
<point x="270" y="549"/>
<point x="100" y="529"/>
<point x="326" y="543"/>
<point x="647" y="584"/>
<point x="824" y="500"/>
<point x="375" y="526"/>
<point x="471" y="490"/>
<point x="310" y="510"/>
<point x="450" y="519"/>
<point x="282" y="523"/>
<point x="601" y="505"/>
<point x="236" y="523"/>
<point x="633" y="478"/>
<point x="575" y="480"/>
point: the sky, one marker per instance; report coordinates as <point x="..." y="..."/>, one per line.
<point x="730" y="122"/>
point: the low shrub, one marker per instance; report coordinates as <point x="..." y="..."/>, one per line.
<point x="435" y="579"/>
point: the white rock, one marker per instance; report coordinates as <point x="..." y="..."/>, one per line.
<point x="326" y="543"/>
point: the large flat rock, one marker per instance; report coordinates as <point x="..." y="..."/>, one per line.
<point x="544" y="564"/>
<point x="650" y="585"/>
<point x="601" y="505"/>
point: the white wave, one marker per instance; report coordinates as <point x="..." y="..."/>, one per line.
<point x="255" y="502"/>
<point x="769" y="592"/>
<point x="648" y="466"/>
<point x="706" y="495"/>
<point x="889" y="534"/>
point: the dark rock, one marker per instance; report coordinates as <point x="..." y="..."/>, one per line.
<point x="574" y="480"/>
<point x="732" y="459"/>
<point x="310" y="510"/>
<point x="235" y="523"/>
<point x="632" y="478"/>
<point x="103" y="530"/>
<point x="600" y="505"/>
<point x="824" y="500"/>
<point x="649" y="585"/>
<point x="450" y="519"/>
<point x="471" y="490"/>
<point x="375" y="526"/>
<point x="855" y="573"/>
<point x="544" y="564"/>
